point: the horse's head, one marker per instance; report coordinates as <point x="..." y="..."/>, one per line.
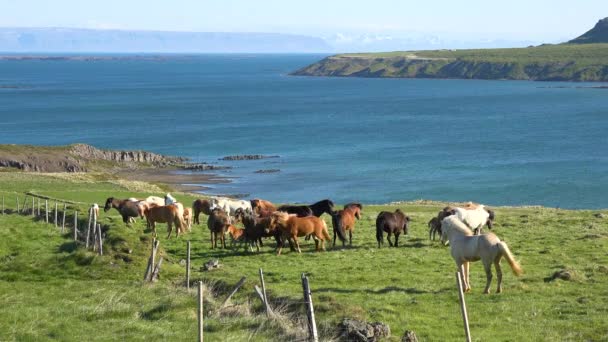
<point x="239" y="214"/>
<point x="445" y="212"/>
<point x="108" y="205"/>
<point x="443" y="231"/>
<point x="277" y="219"/>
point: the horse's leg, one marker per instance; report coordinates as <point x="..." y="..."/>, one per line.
<point x="295" y="240"/>
<point x="350" y="238"/>
<point x="223" y="237"/>
<point x="498" y="274"/>
<point x="487" y="266"/>
<point x="211" y="238"/>
<point x="388" y="238"/>
<point x="169" y="229"/>
<point x="316" y="245"/>
<point x="397" y="239"/>
<point x="334" y="245"/>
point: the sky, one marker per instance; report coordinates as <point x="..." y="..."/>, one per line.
<point x="537" y="20"/>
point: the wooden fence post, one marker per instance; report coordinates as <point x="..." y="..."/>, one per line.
<point x="463" y="306"/>
<point x="46" y="210"/>
<point x="100" y="239"/>
<point x="236" y="288"/>
<point x="188" y="265"/>
<point x="38" y="206"/>
<point x="2" y="204"/>
<point x="312" y="324"/>
<point x="266" y="305"/>
<point x="56" y="223"/>
<point x="17" y="198"/>
<point x="200" y="311"/>
<point x="63" y="218"/>
<point x="151" y="260"/>
<point x="33" y="207"/>
<point x="75" y="225"/>
<point x="89" y="227"/>
<point x="94" y="225"/>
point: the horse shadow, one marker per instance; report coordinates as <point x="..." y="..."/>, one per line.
<point x="409" y="290"/>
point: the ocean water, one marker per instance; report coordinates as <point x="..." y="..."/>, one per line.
<point x="348" y="139"/>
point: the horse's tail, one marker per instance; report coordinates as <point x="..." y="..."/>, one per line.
<point x="325" y="232"/>
<point x="504" y="250"/>
<point x="379" y="232"/>
<point x="179" y="222"/>
<point x="336" y="220"/>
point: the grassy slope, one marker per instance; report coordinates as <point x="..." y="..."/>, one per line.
<point x="50" y="290"/>
<point x="548" y="62"/>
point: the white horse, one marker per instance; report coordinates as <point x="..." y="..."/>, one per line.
<point x="230" y="205"/>
<point x="466" y="247"/>
<point x="475" y="216"/>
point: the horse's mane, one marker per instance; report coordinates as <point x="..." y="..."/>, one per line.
<point x="281" y="217"/>
<point x="455" y="223"/>
<point x="354" y="204"/>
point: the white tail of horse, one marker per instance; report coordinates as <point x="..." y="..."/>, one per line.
<point x="515" y="267"/>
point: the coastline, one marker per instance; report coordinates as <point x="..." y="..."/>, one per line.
<point x="174" y="178"/>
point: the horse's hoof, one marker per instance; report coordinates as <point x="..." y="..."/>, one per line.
<point x="486" y="292"/>
<point x="498" y="290"/>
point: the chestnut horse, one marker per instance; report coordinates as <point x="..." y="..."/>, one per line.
<point x="188" y="218"/>
<point x="344" y="220"/>
<point x="127" y="209"/>
<point x="201" y="206"/>
<point x="315" y="209"/>
<point x="292" y="227"/>
<point x="262" y="208"/>
<point x="168" y="214"/>
<point x="391" y="223"/>
<point x="218" y="223"/>
<point x="236" y="235"/>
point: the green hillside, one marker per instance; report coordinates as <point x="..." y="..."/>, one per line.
<point x="53" y="288"/>
<point x="562" y="62"/>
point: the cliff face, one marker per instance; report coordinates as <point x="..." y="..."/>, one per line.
<point x="404" y="67"/>
<point x="78" y="158"/>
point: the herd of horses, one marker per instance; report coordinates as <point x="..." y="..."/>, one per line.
<point x="459" y="226"/>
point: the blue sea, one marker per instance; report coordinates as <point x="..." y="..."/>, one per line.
<point x="348" y="139"/>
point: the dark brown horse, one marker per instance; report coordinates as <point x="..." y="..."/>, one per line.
<point x="391" y="223"/>
<point x="218" y="223"/>
<point x="292" y="227"/>
<point x="344" y="220"/>
<point x="127" y="209"/>
<point x="315" y="209"/>
<point x="168" y="214"/>
<point x="201" y="206"/>
<point x="262" y="208"/>
<point x="256" y="228"/>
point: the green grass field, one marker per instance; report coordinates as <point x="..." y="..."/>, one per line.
<point x="52" y="288"/>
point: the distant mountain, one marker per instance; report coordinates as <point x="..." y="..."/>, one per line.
<point x="598" y="34"/>
<point x="119" y="41"/>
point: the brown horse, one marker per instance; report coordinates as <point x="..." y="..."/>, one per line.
<point x="344" y="220"/>
<point x="218" y="223"/>
<point x="256" y="228"/>
<point x="201" y="206"/>
<point x="434" y="227"/>
<point x="126" y="208"/>
<point x="262" y="208"/>
<point x="391" y="223"/>
<point x="236" y="235"/>
<point x="168" y="214"/>
<point x="292" y="227"/>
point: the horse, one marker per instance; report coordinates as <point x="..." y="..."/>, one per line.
<point x="316" y="209"/>
<point x="168" y="214"/>
<point x="391" y="223"/>
<point x="474" y="215"/>
<point x="256" y="228"/>
<point x="344" y="220"/>
<point x="262" y="208"/>
<point x="149" y="200"/>
<point x="291" y="227"/>
<point x="236" y="235"/>
<point x="229" y="205"/>
<point x="434" y="227"/>
<point x="200" y="206"/>
<point x="169" y="200"/>
<point x="188" y="218"/>
<point x="466" y="247"/>
<point x="218" y="222"/>
<point x="126" y="208"/>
